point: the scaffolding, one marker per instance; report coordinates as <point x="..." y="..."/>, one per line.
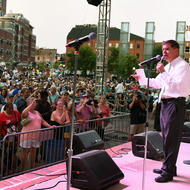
<point x="102" y="43"/>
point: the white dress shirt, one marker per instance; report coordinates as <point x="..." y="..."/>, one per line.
<point x="174" y="82"/>
<point x="119" y="88"/>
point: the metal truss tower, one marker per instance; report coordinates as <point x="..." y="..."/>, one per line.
<point x="103" y="42"/>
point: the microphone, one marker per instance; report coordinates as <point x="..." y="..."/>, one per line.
<point x="80" y="41"/>
<point x="158" y="57"/>
<point x="162" y="59"/>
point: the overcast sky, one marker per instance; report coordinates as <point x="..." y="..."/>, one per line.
<point x="53" y="19"/>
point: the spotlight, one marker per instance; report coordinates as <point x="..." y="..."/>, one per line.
<point x="94" y="2"/>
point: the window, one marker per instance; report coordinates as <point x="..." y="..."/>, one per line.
<point x="131" y="45"/>
<point x="116" y="45"/>
<point x="110" y="44"/>
<point x="187" y="49"/>
<point x="138" y="46"/>
<point x="137" y="55"/>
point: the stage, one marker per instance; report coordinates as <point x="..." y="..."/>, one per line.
<point x="131" y="166"/>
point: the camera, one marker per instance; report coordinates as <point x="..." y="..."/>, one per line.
<point x="37" y="101"/>
<point x="89" y="102"/>
<point x="139" y="97"/>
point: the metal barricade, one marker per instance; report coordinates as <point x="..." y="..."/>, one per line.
<point x="27" y="151"/>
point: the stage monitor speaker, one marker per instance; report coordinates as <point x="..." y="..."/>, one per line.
<point x="94" y="170"/>
<point x="85" y="141"/>
<point x="185" y="136"/>
<point x="94" y="2"/>
<point x="154" y="145"/>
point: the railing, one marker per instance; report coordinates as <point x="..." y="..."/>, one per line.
<point x="27" y="151"/>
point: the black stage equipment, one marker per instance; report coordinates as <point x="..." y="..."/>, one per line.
<point x="154" y="145"/>
<point x="85" y="141"/>
<point x="94" y="2"/>
<point x="94" y="170"/>
<point x="185" y="136"/>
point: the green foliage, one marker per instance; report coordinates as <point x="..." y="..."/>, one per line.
<point x="126" y="65"/>
<point x="86" y="60"/>
<point x="157" y="50"/>
<point x="113" y="60"/>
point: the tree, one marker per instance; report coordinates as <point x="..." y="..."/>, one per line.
<point x="126" y="65"/>
<point x="157" y="50"/>
<point x="113" y="60"/>
<point x="86" y="60"/>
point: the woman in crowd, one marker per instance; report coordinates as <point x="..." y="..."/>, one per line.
<point x="31" y="141"/>
<point x="103" y="111"/>
<point x="3" y="95"/>
<point x="10" y="123"/>
<point x="60" y="141"/>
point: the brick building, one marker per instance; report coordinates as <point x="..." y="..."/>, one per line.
<point x="3" y="4"/>
<point x="17" y="42"/>
<point x="45" y="55"/>
<point x="136" y="46"/>
<point x="20" y="40"/>
<point x="5" y="45"/>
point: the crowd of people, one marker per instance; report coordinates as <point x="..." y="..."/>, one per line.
<point x="31" y="101"/>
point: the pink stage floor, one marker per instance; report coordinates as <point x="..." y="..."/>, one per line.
<point x="131" y="166"/>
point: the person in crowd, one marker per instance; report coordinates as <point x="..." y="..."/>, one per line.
<point x="43" y="106"/>
<point x="121" y="103"/>
<point x="156" y="114"/>
<point x="84" y="111"/>
<point x="111" y="100"/>
<point x="21" y="102"/>
<point x="10" y="124"/>
<point x="173" y="80"/>
<point x="54" y="94"/>
<point x="60" y="143"/>
<point x="103" y="111"/>
<point x="3" y="95"/>
<point x="137" y="114"/>
<point x="119" y="88"/>
<point x="9" y="98"/>
<point x="31" y="141"/>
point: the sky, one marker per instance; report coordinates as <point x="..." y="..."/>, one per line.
<point x="53" y="19"/>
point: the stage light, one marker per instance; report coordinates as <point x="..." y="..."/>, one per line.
<point x="94" y="2"/>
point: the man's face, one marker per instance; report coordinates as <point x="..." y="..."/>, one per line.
<point x="169" y="53"/>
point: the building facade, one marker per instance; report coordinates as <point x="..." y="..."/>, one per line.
<point x="5" y="45"/>
<point x="21" y="38"/>
<point x="3" y="4"/>
<point x="136" y="42"/>
<point x="46" y="55"/>
<point x="187" y="51"/>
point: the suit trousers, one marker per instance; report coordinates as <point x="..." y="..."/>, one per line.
<point x="172" y="117"/>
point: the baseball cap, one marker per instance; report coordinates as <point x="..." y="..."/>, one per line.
<point x="9" y="95"/>
<point x="84" y="95"/>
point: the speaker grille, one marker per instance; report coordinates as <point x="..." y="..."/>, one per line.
<point x="154" y="145"/>
<point x="97" y="170"/>
<point x="86" y="141"/>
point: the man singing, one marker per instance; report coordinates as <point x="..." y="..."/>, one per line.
<point x="173" y="80"/>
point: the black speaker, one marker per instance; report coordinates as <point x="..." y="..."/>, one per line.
<point x="154" y="145"/>
<point x="94" y="2"/>
<point x="85" y="141"/>
<point x="185" y="136"/>
<point x="94" y="170"/>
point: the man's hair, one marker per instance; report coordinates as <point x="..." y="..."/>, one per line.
<point x="173" y="43"/>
